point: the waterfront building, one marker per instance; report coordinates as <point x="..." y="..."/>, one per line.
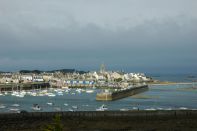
<point x="38" y="78"/>
<point x="26" y="78"/>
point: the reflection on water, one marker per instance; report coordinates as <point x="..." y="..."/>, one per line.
<point x="166" y="97"/>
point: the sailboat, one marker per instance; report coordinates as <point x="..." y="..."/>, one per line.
<point x="36" y="107"/>
<point x="2" y="106"/>
<point x="102" y="108"/>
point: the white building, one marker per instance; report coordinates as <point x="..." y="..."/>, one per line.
<point x="38" y="79"/>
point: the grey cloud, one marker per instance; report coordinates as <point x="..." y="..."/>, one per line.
<point x="64" y="34"/>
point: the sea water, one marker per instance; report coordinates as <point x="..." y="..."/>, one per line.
<point x="158" y="97"/>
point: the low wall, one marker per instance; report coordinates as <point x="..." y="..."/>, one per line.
<point x="23" y="86"/>
<point x="102" y="121"/>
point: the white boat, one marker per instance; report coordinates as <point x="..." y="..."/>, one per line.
<point x="78" y="90"/>
<point x="33" y="93"/>
<point x="15" y="105"/>
<point x="14" y="93"/>
<point x="70" y="110"/>
<point x="124" y="109"/>
<point x="64" y="87"/>
<point x="5" y="93"/>
<point x="15" y="110"/>
<point x="65" y="104"/>
<point x="57" y="108"/>
<point x="74" y="107"/>
<point x="36" y="107"/>
<point x="89" y="91"/>
<point x="23" y="92"/>
<point x="150" y="109"/>
<point x="159" y="108"/>
<point x="85" y="105"/>
<point x="102" y="108"/>
<point x="2" y="106"/>
<point x="51" y="95"/>
<point x="40" y="94"/>
<point x="135" y="108"/>
<point x="168" y="109"/>
<point x="19" y="95"/>
<point x="50" y="103"/>
<point x="67" y="90"/>
<point x="183" y="108"/>
<point x="60" y="93"/>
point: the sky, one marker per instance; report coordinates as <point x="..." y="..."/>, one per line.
<point x="151" y="36"/>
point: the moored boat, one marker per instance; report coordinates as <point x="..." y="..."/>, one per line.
<point x="102" y="108"/>
<point x="36" y="107"/>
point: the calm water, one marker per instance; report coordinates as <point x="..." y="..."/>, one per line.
<point x="158" y="97"/>
<point x="175" y="77"/>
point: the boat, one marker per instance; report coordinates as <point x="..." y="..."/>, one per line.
<point x="60" y="93"/>
<point x="5" y="92"/>
<point x="135" y="108"/>
<point x="150" y="109"/>
<point x="124" y="109"/>
<point x="51" y="95"/>
<point x="64" y="87"/>
<point x="85" y="105"/>
<point x="14" y="110"/>
<point x="67" y="90"/>
<point x="159" y="108"/>
<point x="65" y="104"/>
<point x="57" y="109"/>
<point x="15" y="105"/>
<point x="2" y="106"/>
<point x="36" y="107"/>
<point x="70" y="110"/>
<point x="78" y="90"/>
<point x="50" y="103"/>
<point x="33" y="94"/>
<point x="183" y="108"/>
<point x="168" y="109"/>
<point x="102" y="108"/>
<point x="19" y="95"/>
<point x="89" y="91"/>
<point x="74" y="107"/>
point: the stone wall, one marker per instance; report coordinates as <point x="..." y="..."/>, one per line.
<point x="102" y="121"/>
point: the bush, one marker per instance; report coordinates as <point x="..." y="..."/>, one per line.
<point x="55" y="126"/>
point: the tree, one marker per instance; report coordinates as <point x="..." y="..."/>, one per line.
<point x="56" y="125"/>
<point x="118" y="80"/>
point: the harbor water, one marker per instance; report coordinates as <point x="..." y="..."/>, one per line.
<point x="158" y="97"/>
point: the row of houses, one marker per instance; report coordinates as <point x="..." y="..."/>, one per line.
<point x="63" y="79"/>
<point x="20" y="78"/>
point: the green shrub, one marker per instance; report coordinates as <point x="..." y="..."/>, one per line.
<point x="55" y="126"/>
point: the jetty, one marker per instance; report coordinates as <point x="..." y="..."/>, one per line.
<point x="121" y="93"/>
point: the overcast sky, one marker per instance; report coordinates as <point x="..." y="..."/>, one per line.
<point x="131" y="35"/>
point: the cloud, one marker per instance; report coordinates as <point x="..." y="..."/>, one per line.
<point x="82" y="34"/>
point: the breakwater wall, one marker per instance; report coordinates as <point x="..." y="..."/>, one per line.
<point x="102" y="121"/>
<point x="108" y="96"/>
<point x="24" y="86"/>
